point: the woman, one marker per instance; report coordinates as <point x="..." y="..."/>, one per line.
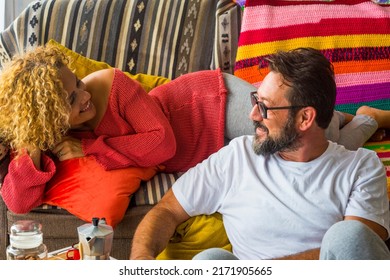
<point x="48" y="115"/>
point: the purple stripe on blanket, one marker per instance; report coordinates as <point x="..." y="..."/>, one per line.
<point x="363" y="93"/>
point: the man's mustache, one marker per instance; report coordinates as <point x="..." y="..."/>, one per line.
<point x="260" y="125"/>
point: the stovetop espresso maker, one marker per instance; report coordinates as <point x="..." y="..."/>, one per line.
<point x="95" y="240"/>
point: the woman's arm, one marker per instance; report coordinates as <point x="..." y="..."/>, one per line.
<point x="24" y="185"/>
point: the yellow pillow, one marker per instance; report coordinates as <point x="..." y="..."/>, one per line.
<point x="84" y="66"/>
<point x="195" y="235"/>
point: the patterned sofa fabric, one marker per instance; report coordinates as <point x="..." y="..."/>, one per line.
<point x="164" y="38"/>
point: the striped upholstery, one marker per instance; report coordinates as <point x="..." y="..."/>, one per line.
<point x="153" y="190"/>
<point x="165" y="38"/>
<point x="353" y="34"/>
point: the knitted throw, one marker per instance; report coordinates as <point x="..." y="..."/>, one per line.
<point x="353" y="34"/>
<point x="383" y="151"/>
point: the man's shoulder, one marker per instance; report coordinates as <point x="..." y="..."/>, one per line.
<point x="241" y="143"/>
<point x="243" y="139"/>
<point x="239" y="147"/>
<point x="335" y="147"/>
<point x="359" y="155"/>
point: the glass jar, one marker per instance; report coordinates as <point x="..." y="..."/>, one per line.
<point x="26" y="241"/>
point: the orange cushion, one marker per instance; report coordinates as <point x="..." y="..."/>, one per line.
<point x="82" y="187"/>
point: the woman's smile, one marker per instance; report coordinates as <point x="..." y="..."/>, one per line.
<point x="87" y="107"/>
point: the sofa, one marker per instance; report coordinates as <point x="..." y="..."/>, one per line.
<point x="159" y="38"/>
<point x="173" y="37"/>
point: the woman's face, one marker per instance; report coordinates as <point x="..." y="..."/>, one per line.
<point x="79" y="99"/>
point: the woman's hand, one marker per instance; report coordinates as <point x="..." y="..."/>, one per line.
<point x="35" y="155"/>
<point x="68" y="148"/>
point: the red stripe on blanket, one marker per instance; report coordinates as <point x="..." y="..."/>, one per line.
<point x="383" y="155"/>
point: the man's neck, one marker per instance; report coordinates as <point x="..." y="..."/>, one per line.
<point x="311" y="148"/>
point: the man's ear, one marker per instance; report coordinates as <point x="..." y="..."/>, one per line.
<point x="306" y="118"/>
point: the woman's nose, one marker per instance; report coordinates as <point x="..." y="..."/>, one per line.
<point x="85" y="95"/>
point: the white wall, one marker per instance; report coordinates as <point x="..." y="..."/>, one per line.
<point x="10" y="9"/>
<point x="2" y="14"/>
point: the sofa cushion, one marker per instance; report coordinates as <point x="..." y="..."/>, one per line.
<point x="86" y="190"/>
<point x="195" y="235"/>
<point x="148" y="194"/>
<point x="83" y="66"/>
<point x="352" y="34"/>
<point x="153" y="190"/>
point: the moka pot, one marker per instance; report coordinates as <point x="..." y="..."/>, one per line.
<point x="95" y="240"/>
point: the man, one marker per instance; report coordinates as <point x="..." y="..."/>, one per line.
<point x="285" y="188"/>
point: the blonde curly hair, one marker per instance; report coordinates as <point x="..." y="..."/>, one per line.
<point x="34" y="111"/>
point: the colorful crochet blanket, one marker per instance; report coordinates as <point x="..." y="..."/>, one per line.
<point x="383" y="151"/>
<point x="353" y="34"/>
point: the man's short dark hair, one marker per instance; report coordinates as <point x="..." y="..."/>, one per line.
<point x="311" y="78"/>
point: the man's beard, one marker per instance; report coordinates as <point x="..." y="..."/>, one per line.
<point x="288" y="140"/>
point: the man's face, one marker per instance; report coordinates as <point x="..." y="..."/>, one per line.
<point x="278" y="132"/>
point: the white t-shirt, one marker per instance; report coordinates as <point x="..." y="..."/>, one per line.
<point x="272" y="207"/>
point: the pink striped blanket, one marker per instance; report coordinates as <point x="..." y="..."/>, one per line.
<point x="353" y="34"/>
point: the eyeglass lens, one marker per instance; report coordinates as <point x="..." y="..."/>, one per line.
<point x="260" y="105"/>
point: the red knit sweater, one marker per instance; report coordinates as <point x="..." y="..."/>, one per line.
<point x="195" y="106"/>
<point x="136" y="130"/>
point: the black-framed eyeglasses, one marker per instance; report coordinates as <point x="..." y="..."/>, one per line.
<point x="263" y="108"/>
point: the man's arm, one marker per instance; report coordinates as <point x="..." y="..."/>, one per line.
<point x="157" y="227"/>
<point x="377" y="228"/>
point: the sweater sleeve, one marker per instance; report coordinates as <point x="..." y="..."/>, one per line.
<point x="134" y="130"/>
<point x="24" y="186"/>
